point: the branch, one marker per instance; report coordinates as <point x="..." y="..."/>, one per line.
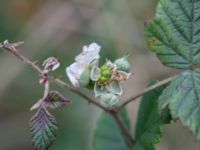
<point x="149" y="89"/>
<point x="123" y="128"/>
<point x="11" y="47"/>
<point x="70" y="88"/>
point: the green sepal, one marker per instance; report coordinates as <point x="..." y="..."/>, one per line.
<point x="99" y="90"/>
<point x="114" y="87"/>
<point x="85" y="77"/>
<point x="95" y="73"/>
<point x="109" y="100"/>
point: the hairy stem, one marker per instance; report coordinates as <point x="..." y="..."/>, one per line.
<point x="147" y="90"/>
<point x="12" y="49"/>
<point x="46" y="89"/>
<point x="70" y="88"/>
<point x="125" y="132"/>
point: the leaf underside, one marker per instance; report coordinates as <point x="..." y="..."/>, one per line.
<point x="43" y="128"/>
<point x="182" y="97"/>
<point x="108" y="135"/>
<point x="149" y="122"/>
<point x="174" y="34"/>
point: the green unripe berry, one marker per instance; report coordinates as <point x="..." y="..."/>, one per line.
<point x="103" y="68"/>
<point x="106" y="71"/>
<point x="102" y="79"/>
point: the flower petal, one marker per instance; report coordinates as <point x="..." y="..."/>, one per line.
<point x="99" y="90"/>
<point x="74" y="72"/>
<point x="88" y="54"/>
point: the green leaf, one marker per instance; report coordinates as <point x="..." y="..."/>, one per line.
<point x="43" y="128"/>
<point x="55" y="100"/>
<point x="108" y="135"/>
<point x="149" y="122"/>
<point x="182" y="97"/>
<point x="174" y="34"/>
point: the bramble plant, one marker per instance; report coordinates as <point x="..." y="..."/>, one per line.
<point x="174" y="36"/>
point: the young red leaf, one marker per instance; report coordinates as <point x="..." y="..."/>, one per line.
<point x="55" y="100"/>
<point x="43" y="128"/>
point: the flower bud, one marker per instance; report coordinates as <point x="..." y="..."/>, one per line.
<point x="109" y="100"/>
<point x="123" y="64"/>
<point x="50" y="64"/>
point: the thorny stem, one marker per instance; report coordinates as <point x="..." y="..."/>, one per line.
<point x="147" y="90"/>
<point x="11" y="47"/>
<point x="46" y="89"/>
<point x="40" y="103"/>
<point x="123" y="128"/>
<point x="70" y="88"/>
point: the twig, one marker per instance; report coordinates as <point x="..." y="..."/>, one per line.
<point x="149" y="89"/>
<point x="12" y="49"/>
<point x="123" y="128"/>
<point x="70" y="88"/>
<point x="40" y="103"/>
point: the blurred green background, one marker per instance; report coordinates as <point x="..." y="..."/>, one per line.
<point x="60" y="28"/>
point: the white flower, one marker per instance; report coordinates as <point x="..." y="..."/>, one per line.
<point x="89" y="55"/>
